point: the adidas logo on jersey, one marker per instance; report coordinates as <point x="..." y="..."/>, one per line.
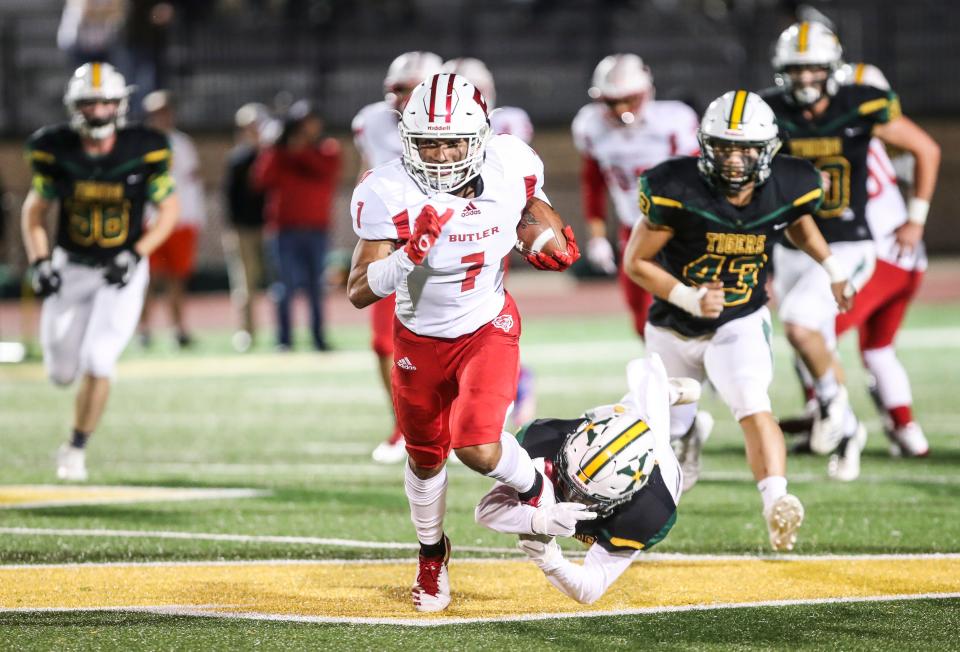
<point x="405" y="364"/>
<point x="470" y="210"/>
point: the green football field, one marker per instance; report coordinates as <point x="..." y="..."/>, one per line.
<point x="246" y="483"/>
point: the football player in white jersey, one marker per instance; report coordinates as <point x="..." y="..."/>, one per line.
<point x="622" y="133"/>
<point x="514" y="121"/>
<point x="376" y="138"/>
<point x="615" y="476"/>
<point x="434" y="228"/>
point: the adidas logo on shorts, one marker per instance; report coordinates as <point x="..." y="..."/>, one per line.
<point x="405" y="364"/>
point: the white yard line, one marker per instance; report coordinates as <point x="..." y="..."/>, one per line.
<point x="206" y="611"/>
<point x="148" y="495"/>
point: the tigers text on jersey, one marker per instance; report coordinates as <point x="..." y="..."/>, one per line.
<point x="836" y="143"/>
<point x="886" y="210"/>
<point x="715" y="240"/>
<point x="101" y="198"/>
<point x="640" y="523"/>
<point x="375" y="134"/>
<point x="459" y="287"/>
<point x="624" y="152"/>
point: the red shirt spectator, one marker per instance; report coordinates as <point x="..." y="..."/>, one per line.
<point x="299" y="180"/>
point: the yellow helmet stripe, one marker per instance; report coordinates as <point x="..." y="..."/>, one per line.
<point x="95" y="74"/>
<point x="858" y="75"/>
<point x="611" y="449"/>
<point x="802" y="37"/>
<point x="736" y="113"/>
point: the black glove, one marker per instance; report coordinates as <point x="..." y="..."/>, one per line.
<point x="44" y="279"/>
<point x="120" y="270"/>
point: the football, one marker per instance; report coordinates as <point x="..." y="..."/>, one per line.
<point x="540" y="229"/>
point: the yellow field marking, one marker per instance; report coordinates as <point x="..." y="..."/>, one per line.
<point x="480" y="589"/>
<point x="30" y="496"/>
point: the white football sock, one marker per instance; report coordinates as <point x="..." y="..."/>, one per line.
<point x="428" y="503"/>
<point x="514" y="468"/>
<point x="826" y="386"/>
<point x="681" y="419"/>
<point x="893" y="384"/>
<point x="771" y="488"/>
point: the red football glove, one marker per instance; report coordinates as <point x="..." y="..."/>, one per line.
<point x="426" y="230"/>
<point x="559" y="261"/>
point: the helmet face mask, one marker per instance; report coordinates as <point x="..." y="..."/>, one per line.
<point x="738" y="139"/>
<point x="444" y="130"/>
<point x="627" y="109"/>
<point x="94" y="88"/>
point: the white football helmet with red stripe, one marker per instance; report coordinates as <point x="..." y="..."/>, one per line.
<point x="406" y="71"/>
<point x="96" y="81"/>
<point x="445" y="106"/>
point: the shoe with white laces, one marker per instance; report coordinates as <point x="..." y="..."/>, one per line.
<point x="783" y="518"/>
<point x="844" y="465"/>
<point x="391" y="451"/>
<point x="909" y="441"/>
<point x="71" y="464"/>
<point x="431" y="589"/>
<point x="689" y="446"/>
<point x="826" y="433"/>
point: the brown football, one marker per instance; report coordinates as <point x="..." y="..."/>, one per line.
<point x="540" y="229"/>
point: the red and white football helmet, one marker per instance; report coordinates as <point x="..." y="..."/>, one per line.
<point x="406" y="71"/>
<point x="622" y="77"/>
<point x="478" y="74"/>
<point x="445" y="106"/>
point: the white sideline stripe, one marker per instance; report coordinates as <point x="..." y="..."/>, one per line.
<point x="175" y="494"/>
<point x="411" y="622"/>
<point x="239" y="538"/>
<point x="401" y="545"/>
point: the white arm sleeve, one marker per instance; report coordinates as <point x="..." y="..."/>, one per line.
<point x="587" y="583"/>
<point x="501" y="511"/>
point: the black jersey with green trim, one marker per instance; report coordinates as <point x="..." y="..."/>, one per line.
<point x="837" y="143"/>
<point x="714" y="240"/>
<point x="102" y="198"/>
<point x="638" y="524"/>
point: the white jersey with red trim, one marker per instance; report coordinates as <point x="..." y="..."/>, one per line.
<point x="886" y="210"/>
<point x="512" y="120"/>
<point x="624" y="152"/>
<point x="459" y="287"/>
<point x="375" y="134"/>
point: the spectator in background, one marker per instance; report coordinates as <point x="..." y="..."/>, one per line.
<point x="147" y="34"/>
<point x="90" y="30"/>
<point x="299" y="178"/>
<point x="243" y="243"/>
<point x="173" y="262"/>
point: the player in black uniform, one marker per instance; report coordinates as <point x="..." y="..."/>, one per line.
<point x="101" y="173"/>
<point x="831" y="125"/>
<point x="702" y="250"/>
<point x="615" y="477"/>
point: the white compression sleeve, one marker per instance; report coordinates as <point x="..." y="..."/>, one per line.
<point x="515" y="468"/>
<point x="384" y="275"/>
<point x="501" y="511"/>
<point x="428" y="502"/>
<point x="587" y="583"/>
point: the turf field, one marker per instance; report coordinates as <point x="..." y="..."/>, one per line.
<point x="232" y="504"/>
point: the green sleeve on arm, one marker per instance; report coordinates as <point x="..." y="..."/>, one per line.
<point x="43" y="186"/>
<point x="646" y="201"/>
<point x="160" y="186"/>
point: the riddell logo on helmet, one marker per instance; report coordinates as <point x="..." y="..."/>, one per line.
<point x="438" y="127"/>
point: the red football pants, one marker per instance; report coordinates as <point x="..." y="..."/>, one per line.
<point x="455" y="392"/>
<point x="879" y="308"/>
<point x="638" y="299"/>
<point x="381" y="325"/>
